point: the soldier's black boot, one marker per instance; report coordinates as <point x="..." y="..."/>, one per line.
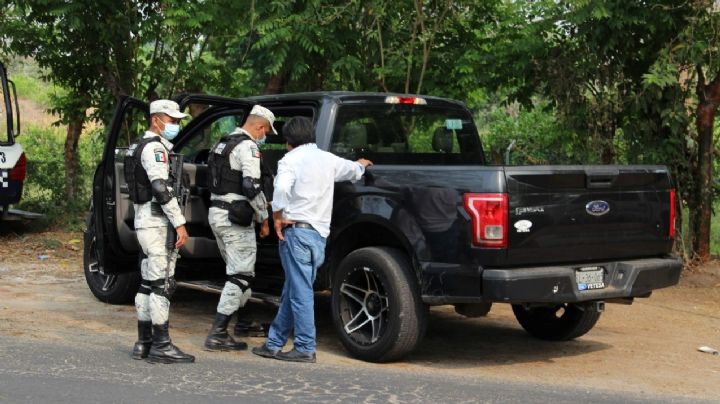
<point x="142" y="345"/>
<point x="247" y="327"/>
<point x="219" y="339"/>
<point x="162" y="349"/>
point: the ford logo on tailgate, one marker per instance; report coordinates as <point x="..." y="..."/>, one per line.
<point x="597" y="208"/>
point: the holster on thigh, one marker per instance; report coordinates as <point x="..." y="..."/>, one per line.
<point x="145" y="287"/>
<point x="242" y="281"/>
<point x="158" y="287"/>
<point x="171" y="238"/>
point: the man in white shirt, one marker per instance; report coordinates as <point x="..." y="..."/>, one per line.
<point x="302" y="209"/>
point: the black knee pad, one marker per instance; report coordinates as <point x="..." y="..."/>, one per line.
<point x="145" y="287"/>
<point x="158" y="287"/>
<point x="235" y="280"/>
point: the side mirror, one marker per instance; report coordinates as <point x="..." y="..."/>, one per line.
<point x="17" y="109"/>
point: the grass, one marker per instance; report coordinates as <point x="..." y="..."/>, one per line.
<point x="683" y="236"/>
<point x="43" y="142"/>
<point x="35" y="89"/>
<point x="44" y="189"/>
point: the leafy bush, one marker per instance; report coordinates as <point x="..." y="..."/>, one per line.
<point x="539" y="137"/>
<point x="44" y="189"/>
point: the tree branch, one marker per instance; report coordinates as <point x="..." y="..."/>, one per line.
<point x="382" y="55"/>
<point x="410" y="55"/>
<point x="427" y="45"/>
<point x="700" y="86"/>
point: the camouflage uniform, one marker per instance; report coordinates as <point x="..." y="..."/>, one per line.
<point x="156" y="235"/>
<point x="237" y="243"/>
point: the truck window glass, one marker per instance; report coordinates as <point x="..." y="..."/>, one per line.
<point x="197" y="147"/>
<point x="406" y="134"/>
<point x="282" y="115"/>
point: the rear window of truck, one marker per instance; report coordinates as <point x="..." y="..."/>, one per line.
<point x="406" y="134"/>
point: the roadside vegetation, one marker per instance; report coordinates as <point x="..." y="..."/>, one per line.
<point x="580" y="81"/>
<point x="43" y="139"/>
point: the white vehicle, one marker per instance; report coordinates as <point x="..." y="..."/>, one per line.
<point x="13" y="163"/>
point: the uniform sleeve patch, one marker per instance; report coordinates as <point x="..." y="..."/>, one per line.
<point x="255" y="153"/>
<point x="160" y="156"/>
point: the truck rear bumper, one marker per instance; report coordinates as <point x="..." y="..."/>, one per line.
<point x="557" y="284"/>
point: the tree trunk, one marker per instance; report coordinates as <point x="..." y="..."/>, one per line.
<point x="276" y="84"/>
<point x="703" y="187"/>
<point x="71" y="159"/>
<point x="708" y="101"/>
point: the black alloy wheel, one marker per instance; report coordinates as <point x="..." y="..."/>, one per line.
<point x="376" y="306"/>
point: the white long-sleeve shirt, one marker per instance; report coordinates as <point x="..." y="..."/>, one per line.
<point x="305" y="183"/>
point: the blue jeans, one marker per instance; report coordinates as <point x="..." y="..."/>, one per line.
<point x="302" y="252"/>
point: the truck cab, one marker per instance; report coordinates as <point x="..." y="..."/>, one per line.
<point x="12" y="157"/>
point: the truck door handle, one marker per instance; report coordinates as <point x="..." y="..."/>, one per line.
<point x="599" y="181"/>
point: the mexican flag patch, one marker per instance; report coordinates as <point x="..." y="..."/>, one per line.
<point x="160" y="157"/>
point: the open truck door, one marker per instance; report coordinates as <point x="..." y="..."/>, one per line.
<point x="111" y="246"/>
<point x="13" y="162"/>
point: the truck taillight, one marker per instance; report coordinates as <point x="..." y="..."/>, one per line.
<point x="489" y="216"/>
<point x="18" y="172"/>
<point x="671" y="230"/>
<point x="394" y="99"/>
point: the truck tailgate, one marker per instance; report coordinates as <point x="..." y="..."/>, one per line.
<point x="587" y="213"/>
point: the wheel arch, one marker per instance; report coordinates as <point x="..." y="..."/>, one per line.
<point x="367" y="232"/>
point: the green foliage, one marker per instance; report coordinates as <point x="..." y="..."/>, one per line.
<point x="579" y="81"/>
<point x="35" y="89"/>
<point x="44" y="189"/>
<point x="538" y="135"/>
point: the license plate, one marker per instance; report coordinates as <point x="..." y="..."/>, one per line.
<point x="589" y="278"/>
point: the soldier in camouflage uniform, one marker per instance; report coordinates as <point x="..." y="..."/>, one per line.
<point x="160" y="228"/>
<point x="237" y="203"/>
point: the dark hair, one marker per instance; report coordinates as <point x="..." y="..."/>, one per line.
<point x="298" y="131"/>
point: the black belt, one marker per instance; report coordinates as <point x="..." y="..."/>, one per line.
<point x="219" y="204"/>
<point x="302" y="225"/>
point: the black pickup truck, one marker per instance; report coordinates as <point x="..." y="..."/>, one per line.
<point x="429" y="224"/>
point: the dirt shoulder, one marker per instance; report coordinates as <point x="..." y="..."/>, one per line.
<point x="648" y="347"/>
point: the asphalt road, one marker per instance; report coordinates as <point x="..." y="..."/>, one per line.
<point x="33" y="371"/>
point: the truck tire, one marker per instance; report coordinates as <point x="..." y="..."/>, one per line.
<point x="376" y="306"/>
<point x="558" y="323"/>
<point x="473" y="310"/>
<point x="109" y="288"/>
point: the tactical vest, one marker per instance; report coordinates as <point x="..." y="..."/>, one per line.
<point x="222" y="178"/>
<point x="135" y="175"/>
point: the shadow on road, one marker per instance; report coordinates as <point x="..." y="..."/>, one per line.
<point x="451" y="341"/>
